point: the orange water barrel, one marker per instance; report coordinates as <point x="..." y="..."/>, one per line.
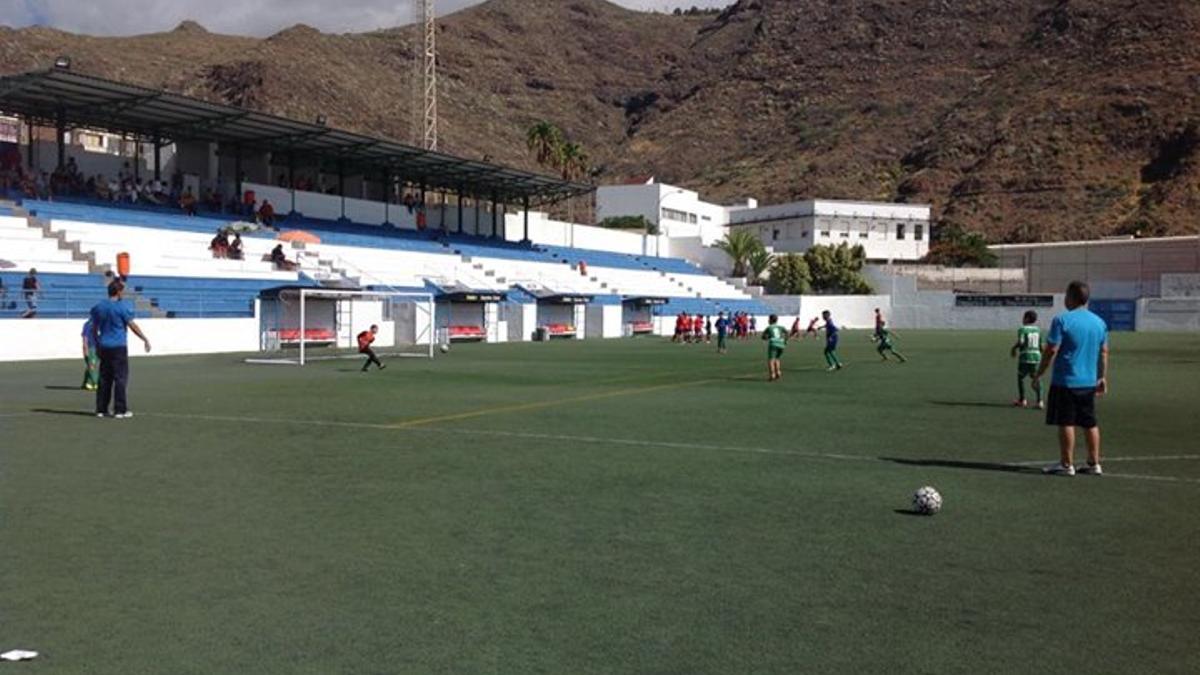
<point x="123" y="264"/>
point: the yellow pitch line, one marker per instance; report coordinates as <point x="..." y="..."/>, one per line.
<point x="540" y="405"/>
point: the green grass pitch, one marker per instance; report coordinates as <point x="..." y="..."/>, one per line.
<point x="616" y="507"/>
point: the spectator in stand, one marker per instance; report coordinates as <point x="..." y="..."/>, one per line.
<point x="187" y="202"/>
<point x="114" y="189"/>
<point x="249" y="204"/>
<point x="219" y="245"/>
<point x="279" y="258"/>
<point x="235" y="247"/>
<point x="41" y="185"/>
<point x="410" y="203"/>
<point x="422" y="222"/>
<point x="266" y="214"/>
<point x="31" y="286"/>
<point x="3" y="295"/>
<point x="125" y="174"/>
<point x="583" y="268"/>
<point x="212" y="200"/>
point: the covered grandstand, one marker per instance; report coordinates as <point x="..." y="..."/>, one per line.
<point x="462" y="251"/>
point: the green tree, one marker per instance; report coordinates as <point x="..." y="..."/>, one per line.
<point x="759" y="262"/>
<point x="739" y="245"/>
<point x="837" y="270"/>
<point x="955" y="247"/>
<point x="627" y="223"/>
<point x="545" y="141"/>
<point x="789" y="275"/>
<point x="573" y="161"/>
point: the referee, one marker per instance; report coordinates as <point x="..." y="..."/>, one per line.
<point x="110" y="319"/>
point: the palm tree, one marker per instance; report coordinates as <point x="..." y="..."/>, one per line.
<point x="573" y="161"/>
<point x="759" y="262"/>
<point x="739" y="245"/>
<point x="546" y="141"/>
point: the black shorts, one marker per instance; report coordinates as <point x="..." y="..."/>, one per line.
<point x="1071" y="407"/>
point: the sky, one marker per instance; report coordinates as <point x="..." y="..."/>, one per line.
<point x="245" y="17"/>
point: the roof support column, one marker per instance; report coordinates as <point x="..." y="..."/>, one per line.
<point x="460" y="210"/>
<point x="387" y="197"/>
<point x="291" y="167"/>
<point x="137" y="159"/>
<point x="237" y="172"/>
<point x="157" y="159"/>
<point x="525" y="204"/>
<point x="342" y="186"/>
<point x="61" y="137"/>
<point x="495" y="213"/>
<point x="29" y="148"/>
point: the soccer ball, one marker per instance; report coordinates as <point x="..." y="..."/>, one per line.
<point x="927" y="501"/>
<point x="445" y="348"/>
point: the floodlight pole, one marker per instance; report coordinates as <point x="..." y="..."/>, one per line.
<point x="429" y="73"/>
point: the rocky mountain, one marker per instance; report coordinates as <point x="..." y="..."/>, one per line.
<point x="1024" y="119"/>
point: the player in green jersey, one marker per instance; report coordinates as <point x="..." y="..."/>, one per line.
<point x="883" y="335"/>
<point x="776" y="338"/>
<point x="1028" y="352"/>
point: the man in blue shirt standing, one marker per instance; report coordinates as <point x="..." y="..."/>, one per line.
<point x="110" y="319"/>
<point x="1077" y="348"/>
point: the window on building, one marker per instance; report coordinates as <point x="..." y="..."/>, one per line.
<point x="863" y="235"/>
<point x="900" y="231"/>
<point x="825" y="233"/>
<point x="918" y="232"/>
<point x="672" y="214"/>
<point x="844" y="235"/>
<point x="775" y="235"/>
<point x="706" y="218"/>
<point x="692" y="218"/>
<point x="804" y="234"/>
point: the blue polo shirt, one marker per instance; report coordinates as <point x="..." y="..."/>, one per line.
<point x="111" y="319"/>
<point x="1079" y="336"/>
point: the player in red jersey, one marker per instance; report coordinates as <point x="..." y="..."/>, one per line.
<point x="365" y="339"/>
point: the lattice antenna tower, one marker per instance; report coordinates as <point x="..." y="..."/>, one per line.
<point x="428" y="80"/>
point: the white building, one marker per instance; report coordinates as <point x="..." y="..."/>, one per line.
<point x="676" y="211"/>
<point x="886" y="231"/>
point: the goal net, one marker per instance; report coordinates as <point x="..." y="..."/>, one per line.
<point x="299" y="325"/>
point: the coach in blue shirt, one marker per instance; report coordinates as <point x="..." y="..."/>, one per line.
<point x="1077" y="348"/>
<point x="110" y="319"/>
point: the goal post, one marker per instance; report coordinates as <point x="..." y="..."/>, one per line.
<point x="300" y="325"/>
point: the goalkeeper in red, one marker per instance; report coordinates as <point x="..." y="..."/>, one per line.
<point x="1028" y="352"/>
<point x="365" y="340"/>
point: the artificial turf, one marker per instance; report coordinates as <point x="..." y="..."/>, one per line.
<point x="599" y="507"/>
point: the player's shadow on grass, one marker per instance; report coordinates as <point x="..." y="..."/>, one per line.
<point x="69" y="413"/>
<point x="973" y="404"/>
<point x="960" y="464"/>
<point x="63" y="387"/>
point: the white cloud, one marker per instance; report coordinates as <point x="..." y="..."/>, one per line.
<point x="244" y="17"/>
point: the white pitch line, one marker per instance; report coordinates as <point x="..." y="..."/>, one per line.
<point x="633" y="442"/>
<point x="1106" y="460"/>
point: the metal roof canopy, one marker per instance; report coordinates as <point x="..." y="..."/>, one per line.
<point x="62" y="97"/>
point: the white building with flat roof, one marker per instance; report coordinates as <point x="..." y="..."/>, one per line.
<point x="886" y="231"/>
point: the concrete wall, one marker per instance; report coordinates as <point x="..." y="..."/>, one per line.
<point x="1115" y="269"/>
<point x="27" y="340"/>
<point x="849" y="311"/>
<point x="544" y="230"/>
<point x="1168" y="314"/>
